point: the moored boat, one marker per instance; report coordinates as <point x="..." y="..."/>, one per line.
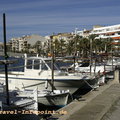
<point x="57" y="98"/>
<point x="37" y="72"/>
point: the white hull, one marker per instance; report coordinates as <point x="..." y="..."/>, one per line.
<point x="96" y="69"/>
<point x="54" y="100"/>
<point x="72" y="83"/>
<point x="47" y="97"/>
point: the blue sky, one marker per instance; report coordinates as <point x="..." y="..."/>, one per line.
<point x="45" y="17"/>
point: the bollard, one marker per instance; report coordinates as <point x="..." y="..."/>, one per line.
<point x="116" y="76"/>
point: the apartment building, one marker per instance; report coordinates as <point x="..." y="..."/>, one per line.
<point x="19" y="44"/>
<point x="112" y="31"/>
<point x="107" y="31"/>
<point x="25" y="43"/>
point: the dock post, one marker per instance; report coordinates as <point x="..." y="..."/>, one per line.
<point x="116" y="76"/>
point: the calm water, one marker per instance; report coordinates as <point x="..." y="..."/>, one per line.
<point x="17" y="62"/>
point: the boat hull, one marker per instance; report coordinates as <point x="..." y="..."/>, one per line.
<point x="58" y="100"/>
<point x="19" y="82"/>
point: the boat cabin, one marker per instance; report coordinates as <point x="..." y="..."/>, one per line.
<point x="39" y="63"/>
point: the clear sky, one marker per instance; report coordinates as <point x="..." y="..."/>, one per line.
<point x="45" y="17"/>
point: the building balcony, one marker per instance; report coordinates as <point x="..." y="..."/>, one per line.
<point x="107" y="29"/>
<point x="115" y="36"/>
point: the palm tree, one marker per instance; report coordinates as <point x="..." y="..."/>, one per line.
<point x="62" y="47"/>
<point x="107" y="44"/>
<point x="84" y="47"/>
<point x="56" y="45"/>
<point x="39" y="48"/>
<point x="70" y="47"/>
<point x="99" y="45"/>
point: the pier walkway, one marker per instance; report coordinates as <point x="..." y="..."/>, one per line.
<point x="94" y="105"/>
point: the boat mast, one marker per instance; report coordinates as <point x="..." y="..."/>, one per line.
<point x="112" y="59"/>
<point x="75" y="52"/>
<point x="52" y="63"/>
<point x="90" y="56"/>
<point x="6" y="57"/>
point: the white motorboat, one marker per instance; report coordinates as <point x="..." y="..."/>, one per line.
<point x="94" y="68"/>
<point x="37" y="72"/>
<point x="113" y="61"/>
<point x="98" y="69"/>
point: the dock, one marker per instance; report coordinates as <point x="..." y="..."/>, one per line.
<point x="93" y="105"/>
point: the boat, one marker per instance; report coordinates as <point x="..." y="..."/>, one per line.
<point x="115" y="61"/>
<point x="57" y="98"/>
<point x="17" y="102"/>
<point x="102" y="70"/>
<point x="95" y="68"/>
<point x="37" y="72"/>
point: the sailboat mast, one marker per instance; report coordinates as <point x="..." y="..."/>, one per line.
<point x="6" y="57"/>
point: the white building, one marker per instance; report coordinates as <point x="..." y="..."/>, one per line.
<point x="84" y="33"/>
<point x="18" y="44"/>
<point x="112" y="31"/>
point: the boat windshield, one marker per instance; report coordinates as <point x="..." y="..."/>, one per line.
<point x="29" y="64"/>
<point x="48" y="62"/>
<point x="38" y="64"/>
